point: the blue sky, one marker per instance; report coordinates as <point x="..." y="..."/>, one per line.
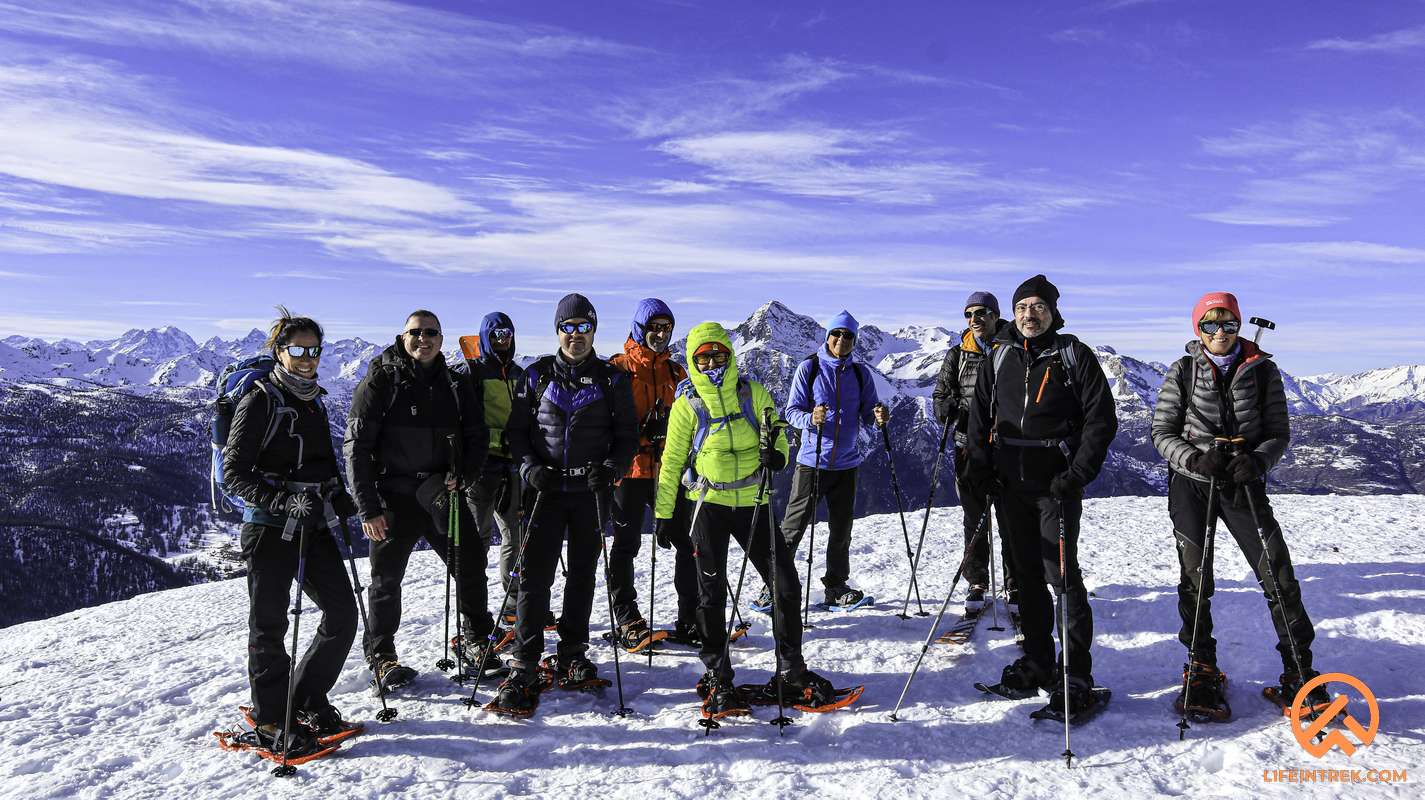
<point x="196" y="163"/>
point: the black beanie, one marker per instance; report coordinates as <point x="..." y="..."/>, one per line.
<point x="575" y="306"/>
<point x="1038" y="286"/>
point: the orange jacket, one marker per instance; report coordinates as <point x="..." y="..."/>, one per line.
<point x="655" y="377"/>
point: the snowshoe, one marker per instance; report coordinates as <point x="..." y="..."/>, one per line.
<point x="1205" y="691"/>
<point x="687" y="634"/>
<point x="1085" y="701"/>
<point x="518" y="695"/>
<point x="1318" y="700"/>
<point x="635" y="636"/>
<point x="803" y="690"/>
<point x="394" y="675"/>
<point x="1019" y="681"/>
<point x="267" y="741"/>
<point x="720" y="698"/>
<point x="962" y="629"/>
<point x="575" y="675"/>
<point x="326" y="726"/>
<point x="847" y="599"/>
<point x="763" y="603"/>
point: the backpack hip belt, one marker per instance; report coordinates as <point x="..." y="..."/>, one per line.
<point x="698" y="483"/>
<point x="1062" y="445"/>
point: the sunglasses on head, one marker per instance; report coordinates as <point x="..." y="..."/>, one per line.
<point x="298" y="351"/>
<point x="429" y="333"/>
<point x="659" y="327"/>
<point x="716" y="358"/>
<point x="576" y="327"/>
<point x="841" y="333"/>
<point x="977" y="313"/>
<point x="1231" y="326"/>
<point x="501" y="333"/>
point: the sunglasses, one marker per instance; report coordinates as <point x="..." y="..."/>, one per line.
<point x="1037" y="308"/>
<point x="714" y="359"/>
<point x="298" y="351"/>
<point x="977" y="313"/>
<point x="576" y="327"/>
<point x="1229" y="327"/>
<point x="429" y="333"/>
<point x="502" y="333"/>
<point x="841" y="333"/>
<point x="659" y="327"/>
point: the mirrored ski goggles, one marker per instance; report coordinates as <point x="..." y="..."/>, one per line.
<point x="659" y="327"/>
<point x="576" y="327"/>
<point x="979" y="313"/>
<point x="298" y="351"/>
<point x="429" y="333"/>
<point x="1229" y="327"/>
<point x="712" y="358"/>
<point x="501" y="333"/>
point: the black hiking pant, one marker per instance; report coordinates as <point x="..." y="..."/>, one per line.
<point x="633" y="500"/>
<point x="1187" y="507"/>
<point x="407" y="524"/>
<point x="271" y="568"/>
<point x="1031" y="526"/>
<point x="714" y="527"/>
<point x="838" y="488"/>
<point x="557" y="515"/>
<point x="977" y="551"/>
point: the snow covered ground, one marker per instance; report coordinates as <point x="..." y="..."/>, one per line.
<point x="120" y="700"/>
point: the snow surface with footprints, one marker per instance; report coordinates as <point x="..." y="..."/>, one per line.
<point x="120" y="701"/>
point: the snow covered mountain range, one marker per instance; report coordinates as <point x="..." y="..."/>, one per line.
<point x="107" y="444"/>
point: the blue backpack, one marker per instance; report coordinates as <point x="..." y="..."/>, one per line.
<point x="232" y="385"/>
<point x="706" y="420"/>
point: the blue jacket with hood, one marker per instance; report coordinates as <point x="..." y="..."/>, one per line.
<point x="850" y="403"/>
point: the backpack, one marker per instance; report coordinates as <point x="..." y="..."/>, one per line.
<point x="1063" y="353"/>
<point x="234" y="383"/>
<point x="687" y="391"/>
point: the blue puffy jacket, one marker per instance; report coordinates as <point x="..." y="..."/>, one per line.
<point x="850" y="403"/>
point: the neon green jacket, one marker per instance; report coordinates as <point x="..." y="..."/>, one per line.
<point x="729" y="453"/>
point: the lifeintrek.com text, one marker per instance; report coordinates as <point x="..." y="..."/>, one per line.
<point x="1334" y="775"/>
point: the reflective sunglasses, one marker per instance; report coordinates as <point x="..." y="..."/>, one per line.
<point x="1229" y="327"/>
<point x="841" y="333"/>
<point x="298" y="351"/>
<point x="429" y="333"/>
<point x="716" y="358"/>
<point x="501" y="333"/>
<point x="659" y="327"/>
<point x="977" y="313"/>
<point x="576" y="327"/>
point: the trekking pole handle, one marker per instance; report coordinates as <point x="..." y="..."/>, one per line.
<point x="454" y="442"/>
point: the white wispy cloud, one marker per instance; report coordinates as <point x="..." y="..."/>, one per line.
<point x="1347" y="251"/>
<point x="1079" y="35"/>
<point x="294" y="275"/>
<point x="1388" y="42"/>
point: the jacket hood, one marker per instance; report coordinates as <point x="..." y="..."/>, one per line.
<point x="648" y="308"/>
<point x="641" y="356"/>
<point x="967" y="337"/>
<point x="844" y="320"/>
<point x="699" y="336"/>
<point x="1251" y="351"/>
<point x="493" y="320"/>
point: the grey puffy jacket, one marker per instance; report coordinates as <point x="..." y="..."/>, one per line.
<point x="1257" y="409"/>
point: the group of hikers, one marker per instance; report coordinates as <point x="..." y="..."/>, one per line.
<point x="543" y="458"/>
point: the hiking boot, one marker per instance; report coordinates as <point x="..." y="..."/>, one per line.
<point x="844" y="596"/>
<point x="392" y="674"/>
<point x="470" y="648"/>
<point x="1080" y="695"/>
<point x="578" y="671"/>
<point x="721" y="698"/>
<point x="975" y="598"/>
<point x="1024" y="677"/>
<point x="803" y="687"/>
<point x="1290" y="684"/>
<point x="299" y="743"/>
<point x="635" y="635"/>
<point x="326" y="723"/>
<point x="763" y="603"/>
<point x="518" y="693"/>
<point x="1205" y="692"/>
<point x="687" y="633"/>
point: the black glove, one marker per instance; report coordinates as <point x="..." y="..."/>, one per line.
<point x="297" y="505"/>
<point x="942" y="412"/>
<point x="1245" y="468"/>
<point x="663" y="532"/>
<point x="1211" y="462"/>
<point x="1066" y="487"/>
<point x="482" y="492"/>
<point x="771" y="458"/>
<point x="984" y="481"/>
<point x="542" y="478"/>
<point x="343" y="505"/>
<point x="601" y="477"/>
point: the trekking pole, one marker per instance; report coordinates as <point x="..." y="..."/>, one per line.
<point x="766" y="436"/>
<point x="1068" y="754"/>
<point x="1270" y="570"/>
<point x="516" y="570"/>
<point x="782" y="720"/>
<point x="1208" y="537"/>
<point x="623" y="710"/>
<point x="811" y="544"/>
<point x="994" y="587"/>
<point x="652" y="587"/>
<point x="452" y="530"/>
<point x="285" y="770"/>
<point x="386" y="714"/>
<point x="935" y="625"/>
<point x="924" y="523"/>
<point x="445" y="663"/>
<point x="905" y="531"/>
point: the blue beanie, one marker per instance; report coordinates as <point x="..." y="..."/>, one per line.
<point x="985" y="299"/>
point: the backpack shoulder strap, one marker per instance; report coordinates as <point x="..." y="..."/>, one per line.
<point x="812" y="370"/>
<point x="1064" y="344"/>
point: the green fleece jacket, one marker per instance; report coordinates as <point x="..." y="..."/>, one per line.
<point x="729" y="453"/>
